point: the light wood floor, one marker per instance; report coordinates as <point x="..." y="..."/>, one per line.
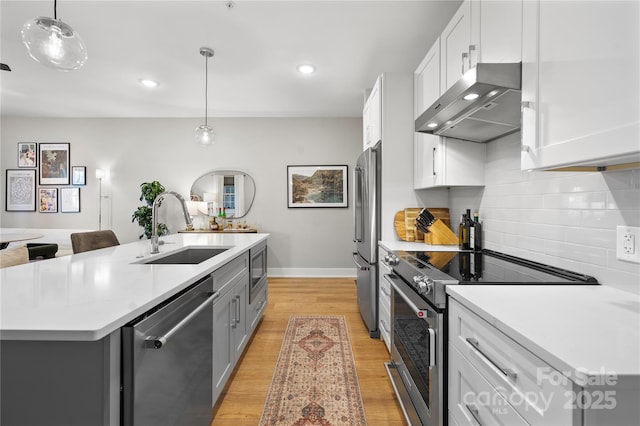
<point x="243" y="399"/>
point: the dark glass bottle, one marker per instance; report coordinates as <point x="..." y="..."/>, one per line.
<point x="476" y="233"/>
<point x="464" y="229"/>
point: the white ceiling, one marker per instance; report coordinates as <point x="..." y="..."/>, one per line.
<point x="257" y="45"/>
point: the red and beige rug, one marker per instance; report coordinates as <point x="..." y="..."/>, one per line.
<point x="315" y="381"/>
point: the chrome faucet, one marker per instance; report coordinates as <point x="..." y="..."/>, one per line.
<point x="154" y="217"/>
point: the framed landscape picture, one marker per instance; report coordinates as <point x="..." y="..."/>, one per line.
<point x="54" y="163"/>
<point x="70" y="200"/>
<point x="48" y="200"/>
<point x="317" y="186"/>
<point x="27" y="154"/>
<point x="21" y="190"/>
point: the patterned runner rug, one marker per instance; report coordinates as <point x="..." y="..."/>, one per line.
<point x="315" y="381"/>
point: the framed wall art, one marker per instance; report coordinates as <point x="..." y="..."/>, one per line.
<point x="78" y="175"/>
<point x="54" y="163"/>
<point x="48" y="200"/>
<point x="70" y="200"/>
<point x="21" y="190"/>
<point x="317" y="186"/>
<point x="27" y="154"/>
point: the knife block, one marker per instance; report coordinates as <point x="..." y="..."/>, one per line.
<point x="439" y="233"/>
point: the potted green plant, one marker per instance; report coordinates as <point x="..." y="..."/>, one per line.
<point x="143" y="214"/>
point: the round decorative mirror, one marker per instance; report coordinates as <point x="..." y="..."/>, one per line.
<point x="231" y="189"/>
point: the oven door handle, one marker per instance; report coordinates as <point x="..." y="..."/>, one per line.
<point x="394" y="283"/>
<point x="432" y="345"/>
<point x="420" y="313"/>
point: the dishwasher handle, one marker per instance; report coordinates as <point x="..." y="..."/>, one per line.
<point x="153" y="342"/>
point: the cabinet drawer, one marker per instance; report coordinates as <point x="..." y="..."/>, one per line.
<point x="473" y="400"/>
<point x="229" y="272"/>
<point x="256" y="309"/>
<point x="540" y="391"/>
<point x="385" y="325"/>
<point x="385" y="292"/>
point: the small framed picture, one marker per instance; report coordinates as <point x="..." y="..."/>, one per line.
<point x="27" y="154"/>
<point x="21" y="190"/>
<point x="316" y="186"/>
<point x="70" y="200"/>
<point x="54" y="163"/>
<point x="78" y="175"/>
<point x="48" y="200"/>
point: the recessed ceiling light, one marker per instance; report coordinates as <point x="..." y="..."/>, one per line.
<point x="432" y="125"/>
<point x="149" y="83"/>
<point x="470" y="96"/>
<point x="306" y="69"/>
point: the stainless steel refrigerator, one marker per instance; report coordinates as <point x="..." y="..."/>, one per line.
<point x="367" y="233"/>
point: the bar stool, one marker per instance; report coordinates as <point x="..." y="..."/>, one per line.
<point x="93" y="240"/>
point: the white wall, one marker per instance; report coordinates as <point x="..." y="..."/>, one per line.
<point x="302" y="241"/>
<point x="559" y="218"/>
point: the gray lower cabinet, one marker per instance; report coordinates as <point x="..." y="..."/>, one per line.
<point x="230" y="328"/>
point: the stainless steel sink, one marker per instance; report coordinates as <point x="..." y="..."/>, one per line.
<point x="187" y="256"/>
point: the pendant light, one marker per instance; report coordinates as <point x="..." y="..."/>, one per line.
<point x="54" y="43"/>
<point x="204" y="132"/>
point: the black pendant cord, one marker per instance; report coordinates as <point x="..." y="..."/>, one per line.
<point x="55" y="9"/>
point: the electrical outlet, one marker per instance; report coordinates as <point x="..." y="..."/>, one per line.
<point x="627" y="239"/>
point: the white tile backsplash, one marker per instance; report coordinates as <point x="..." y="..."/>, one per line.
<point x="565" y="219"/>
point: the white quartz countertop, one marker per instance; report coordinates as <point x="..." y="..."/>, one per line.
<point x="88" y="295"/>
<point x="582" y="331"/>
<point x="394" y="245"/>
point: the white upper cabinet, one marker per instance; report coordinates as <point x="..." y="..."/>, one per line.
<point x="455" y="41"/>
<point x="426" y="83"/>
<point x="480" y="31"/>
<point x="580" y="84"/>
<point x="372" y="117"/>
<point x="440" y="161"/>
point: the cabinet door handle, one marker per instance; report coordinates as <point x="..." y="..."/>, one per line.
<point x="507" y="372"/>
<point x="233" y="316"/>
<point x="472" y="51"/>
<point x="238" y="310"/>
<point x="474" y="412"/>
<point x="465" y="55"/>
<point x="433" y="162"/>
<point x="527" y="118"/>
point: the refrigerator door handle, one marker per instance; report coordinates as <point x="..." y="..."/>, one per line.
<point x="358" y="214"/>
<point x="355" y="260"/>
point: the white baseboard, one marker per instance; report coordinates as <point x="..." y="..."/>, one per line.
<point x="312" y="272"/>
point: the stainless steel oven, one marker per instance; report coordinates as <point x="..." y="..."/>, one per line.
<point x="417" y="368"/>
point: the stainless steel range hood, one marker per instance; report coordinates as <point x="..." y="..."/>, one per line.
<point x="493" y="113"/>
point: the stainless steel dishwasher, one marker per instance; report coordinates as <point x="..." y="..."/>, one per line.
<point x="167" y="361"/>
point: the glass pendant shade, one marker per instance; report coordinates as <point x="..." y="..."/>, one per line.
<point x="205" y="135"/>
<point x="54" y="43"/>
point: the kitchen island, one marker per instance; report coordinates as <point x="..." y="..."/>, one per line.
<point x="60" y="322"/>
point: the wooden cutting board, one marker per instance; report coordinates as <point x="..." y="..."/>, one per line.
<point x="404" y="223"/>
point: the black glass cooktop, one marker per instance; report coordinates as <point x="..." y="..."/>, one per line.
<point x="486" y="267"/>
